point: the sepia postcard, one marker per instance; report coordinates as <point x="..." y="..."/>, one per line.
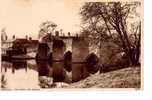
<point x="71" y="44"/>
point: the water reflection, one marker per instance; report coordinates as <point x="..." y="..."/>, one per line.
<point x="43" y="68"/>
<point x="50" y="74"/>
<point x="19" y="65"/>
<point x="32" y="75"/>
<point x="44" y="73"/>
<point x="58" y="72"/>
<point x="19" y="75"/>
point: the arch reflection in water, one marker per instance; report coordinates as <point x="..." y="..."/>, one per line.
<point x="52" y="74"/>
<point x="43" y="68"/>
<point x="44" y="73"/>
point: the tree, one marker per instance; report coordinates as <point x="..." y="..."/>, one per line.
<point x="47" y="27"/>
<point x="102" y="19"/>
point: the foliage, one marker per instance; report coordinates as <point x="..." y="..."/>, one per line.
<point x="111" y="21"/>
<point x="46" y="27"/>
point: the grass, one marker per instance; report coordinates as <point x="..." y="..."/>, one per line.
<point x="123" y="78"/>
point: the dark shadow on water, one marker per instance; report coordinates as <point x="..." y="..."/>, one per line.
<point x="14" y="65"/>
<point x="54" y="70"/>
<point x="43" y="68"/>
<point x="58" y="72"/>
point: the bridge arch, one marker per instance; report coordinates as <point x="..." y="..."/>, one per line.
<point x="68" y="61"/>
<point x="92" y="63"/>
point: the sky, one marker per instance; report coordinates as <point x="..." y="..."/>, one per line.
<point x="23" y="17"/>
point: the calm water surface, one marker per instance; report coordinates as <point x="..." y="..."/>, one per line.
<point x="23" y="74"/>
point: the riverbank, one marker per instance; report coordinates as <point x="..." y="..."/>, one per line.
<point x="123" y="78"/>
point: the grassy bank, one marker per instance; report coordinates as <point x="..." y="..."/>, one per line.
<point x="123" y="78"/>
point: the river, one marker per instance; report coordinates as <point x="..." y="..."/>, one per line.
<point x="26" y="74"/>
<point x="19" y="75"/>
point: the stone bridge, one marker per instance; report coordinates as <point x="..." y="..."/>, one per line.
<point x="59" y="48"/>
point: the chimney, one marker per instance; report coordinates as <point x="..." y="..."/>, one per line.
<point x="26" y="37"/>
<point x="13" y="37"/>
<point x="68" y="33"/>
<point x="57" y="33"/>
<point x="77" y="35"/>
